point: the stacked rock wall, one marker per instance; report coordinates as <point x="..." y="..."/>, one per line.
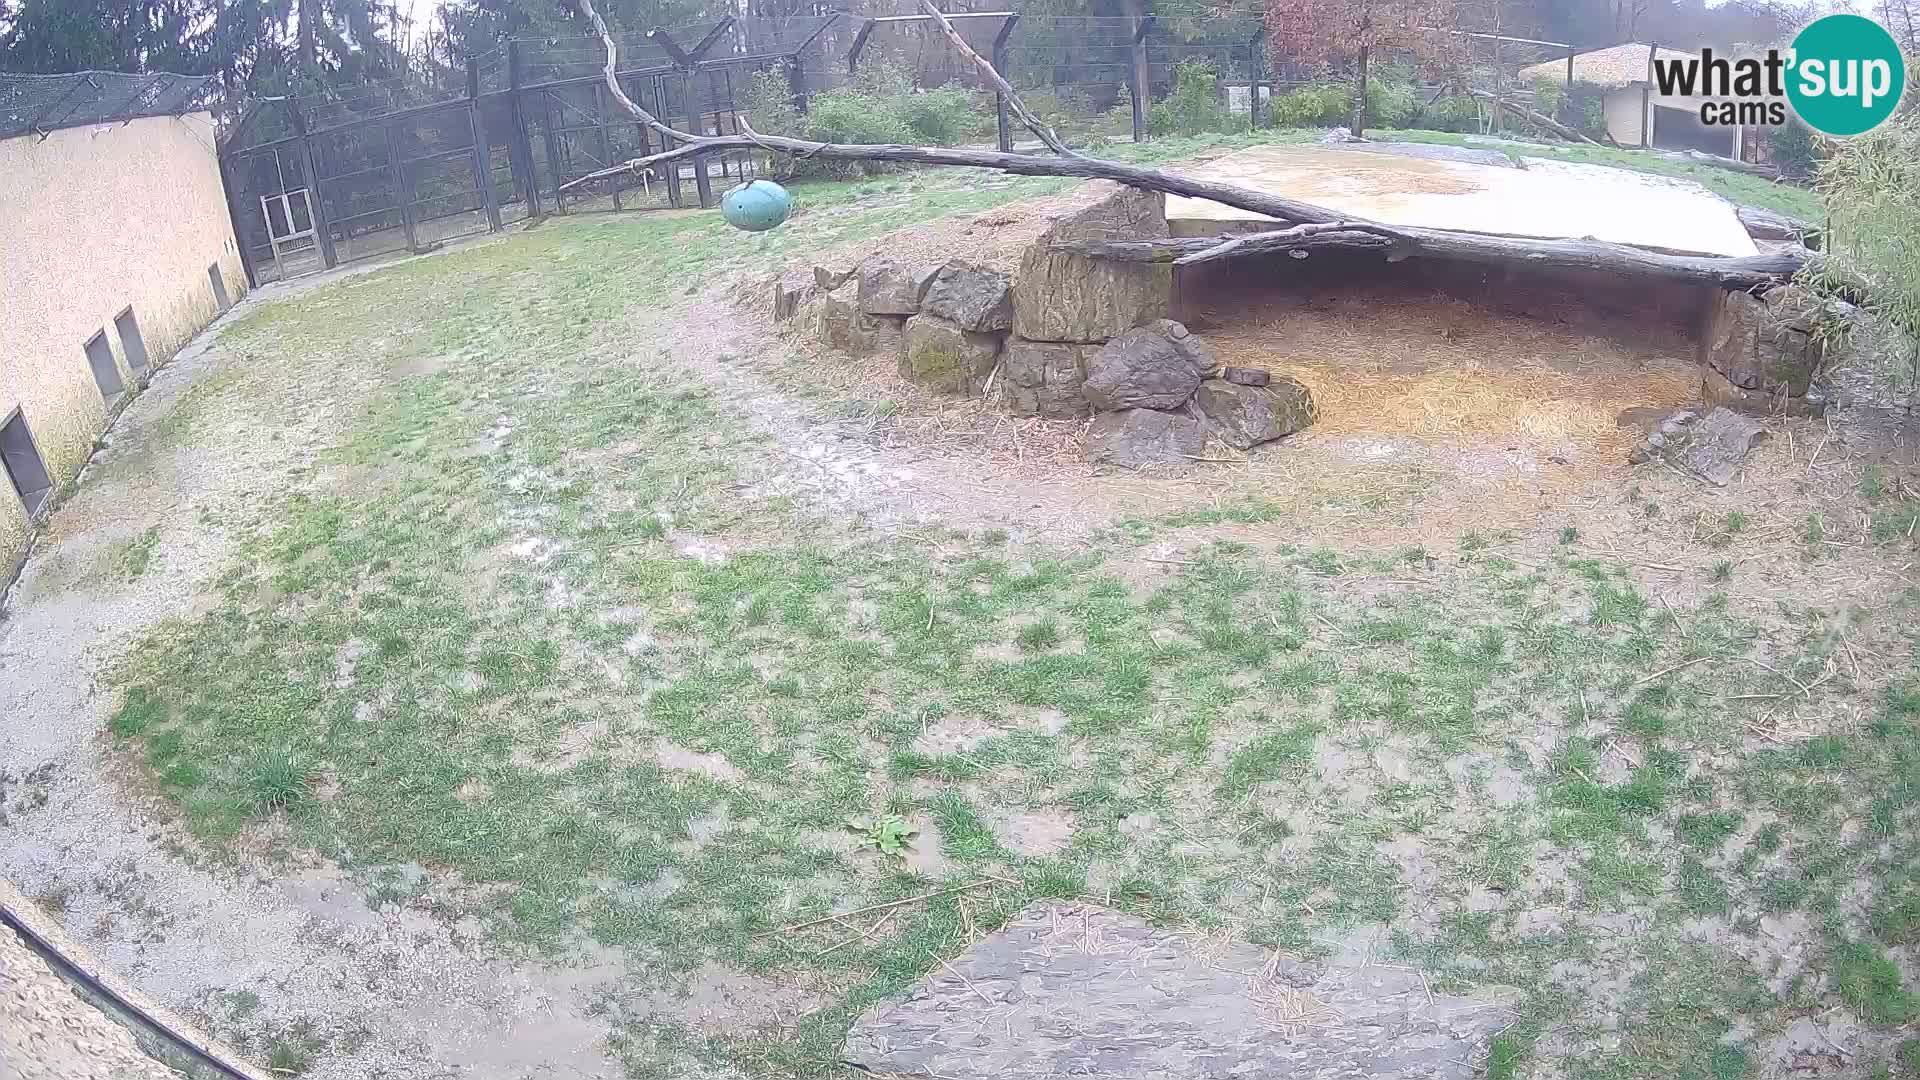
<point x="1068" y="336"/>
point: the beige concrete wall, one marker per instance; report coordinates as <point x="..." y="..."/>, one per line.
<point x="1625" y="114"/>
<point x="93" y="219"/>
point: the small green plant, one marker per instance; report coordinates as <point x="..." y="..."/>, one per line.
<point x="1873" y="482"/>
<point x="1870" y="983"/>
<point x="1040" y="636"/>
<point x="1908" y="1057"/>
<point x="274" y="780"/>
<point x="1899" y="522"/>
<point x="1813" y="530"/>
<point x="1569" y="534"/>
<point x="889" y="835"/>
<point x="289" y="1057"/>
<point x="1722" y="571"/>
<point x="1730" y="526"/>
<point x="138" y="554"/>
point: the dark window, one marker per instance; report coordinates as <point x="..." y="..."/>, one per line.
<point x="219" y="286"/>
<point x="106" y="373"/>
<point x="131" y="342"/>
<point x="22" y="460"/>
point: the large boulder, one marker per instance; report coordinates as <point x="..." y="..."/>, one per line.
<point x="1712" y="447"/>
<point x="791" y="290"/>
<point x="971" y="297"/>
<point x="1246" y="416"/>
<point x="1045" y="378"/>
<point x="1058" y="296"/>
<point x="1767" y="345"/>
<point x="835" y="269"/>
<point x="937" y="354"/>
<point x="1157" y="366"/>
<point x="843" y="326"/>
<point x="1134" y="438"/>
<point x="891" y="287"/>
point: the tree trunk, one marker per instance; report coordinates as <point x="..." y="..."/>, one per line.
<point x="1359" y="125"/>
<point x="1398" y="242"/>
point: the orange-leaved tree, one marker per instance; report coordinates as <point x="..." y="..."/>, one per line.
<point x="1323" y="31"/>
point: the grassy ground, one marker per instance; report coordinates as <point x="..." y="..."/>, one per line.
<point x="489" y="633"/>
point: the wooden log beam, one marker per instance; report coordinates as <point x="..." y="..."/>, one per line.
<point x="1399" y="242"/>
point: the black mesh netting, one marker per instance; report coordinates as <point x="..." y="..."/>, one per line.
<point x="44" y="103"/>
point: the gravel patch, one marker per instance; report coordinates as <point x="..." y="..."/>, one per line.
<point x="375" y="991"/>
<point x="49" y="1033"/>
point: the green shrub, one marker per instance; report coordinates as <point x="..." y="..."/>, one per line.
<point x="944" y="116"/>
<point x="1548" y="95"/>
<point x="1451" y="112"/>
<point x="879" y="106"/>
<point x="1794" y="149"/>
<point x="1581" y="107"/>
<point x="1195" y="105"/>
<point x="1391" y="103"/>
<point x="1318" y="105"/>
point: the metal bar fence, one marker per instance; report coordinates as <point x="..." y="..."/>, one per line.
<point x="529" y="117"/>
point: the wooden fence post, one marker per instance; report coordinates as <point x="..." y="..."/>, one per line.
<point x="402" y="188"/>
<point x="1002" y="124"/>
<point x="553" y="149"/>
<point x="702" y="184"/>
<point x="482" y="149"/>
<point x="521" y="148"/>
<point x="1255" y="56"/>
<point x="1142" y="80"/>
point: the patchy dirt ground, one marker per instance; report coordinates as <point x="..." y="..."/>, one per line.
<point x="446" y="672"/>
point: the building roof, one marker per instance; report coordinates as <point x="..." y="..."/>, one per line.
<point x="46" y="103"/>
<point x="1621" y="65"/>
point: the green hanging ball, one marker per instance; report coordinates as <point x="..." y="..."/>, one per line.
<point x="756" y="206"/>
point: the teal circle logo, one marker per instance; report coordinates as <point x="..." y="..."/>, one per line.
<point x="1846" y="75"/>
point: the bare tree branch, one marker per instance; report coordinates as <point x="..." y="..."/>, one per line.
<point x="613" y="83"/>
<point x="1539" y="120"/>
<point x="1309" y="225"/>
<point x="1019" y="107"/>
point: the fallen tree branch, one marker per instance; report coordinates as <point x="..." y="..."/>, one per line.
<point x="1282" y="239"/>
<point x="1308" y="225"/>
<point x="1398" y="241"/>
<point x="1259" y="202"/>
<point x="1539" y="120"/>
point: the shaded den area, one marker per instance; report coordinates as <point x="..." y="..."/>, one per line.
<point x="1562" y="362"/>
